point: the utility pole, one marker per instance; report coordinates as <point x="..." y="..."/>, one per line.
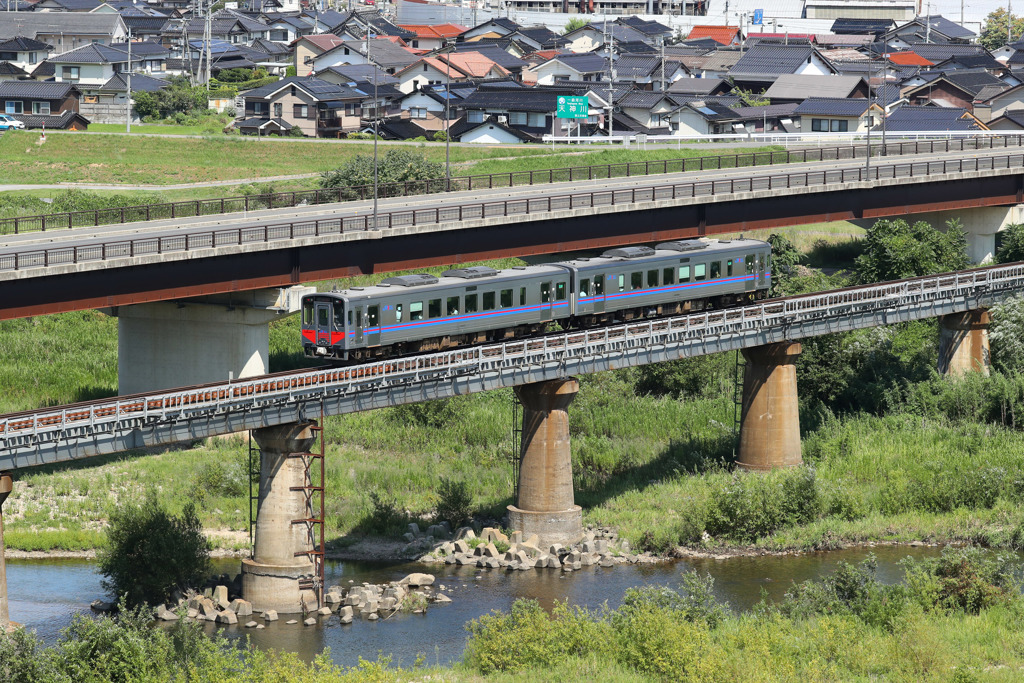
<point x="376" y="118"/>
<point x="611" y="82"/>
<point x="663" y="64"/>
<point x="128" y="81"/>
<point x="447" y="122"/>
<point x="207" y="31"/>
<point x="928" y="31"/>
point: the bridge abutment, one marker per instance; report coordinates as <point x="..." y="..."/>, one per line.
<point x="770" y="426"/>
<point x="963" y="343"/>
<point x="545" y="504"/>
<point x="170" y="344"/>
<point x="6" y="486"/>
<point x="270" y="580"/>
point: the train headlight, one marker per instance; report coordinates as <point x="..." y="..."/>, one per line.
<point x="321" y="350"/>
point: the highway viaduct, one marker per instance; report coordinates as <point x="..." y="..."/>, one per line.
<point x="143" y="264"/>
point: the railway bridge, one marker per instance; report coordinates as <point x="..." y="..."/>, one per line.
<point x="284" y="409"/>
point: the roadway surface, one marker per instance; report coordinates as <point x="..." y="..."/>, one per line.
<point x="31" y="241"/>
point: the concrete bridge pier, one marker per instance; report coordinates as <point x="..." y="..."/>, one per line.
<point x="270" y="580"/>
<point x="770" y="426"/>
<point x="6" y="486"/>
<point x="170" y="344"/>
<point x="963" y="343"/>
<point x="545" y="505"/>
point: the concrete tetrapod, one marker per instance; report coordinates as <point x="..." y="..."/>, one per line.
<point x="545" y="505"/>
<point x="270" y="580"/>
<point x="770" y="426"/>
<point x="963" y="343"/>
<point x="6" y="486"/>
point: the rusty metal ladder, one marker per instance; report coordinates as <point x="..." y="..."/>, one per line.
<point x="313" y="488"/>
<point x="737" y="401"/>
<point x="517" y="443"/>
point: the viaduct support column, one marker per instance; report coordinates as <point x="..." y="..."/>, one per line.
<point x="270" y="580"/>
<point x="770" y="427"/>
<point x="963" y="343"/>
<point x="6" y="486"/>
<point x="545" y="504"/>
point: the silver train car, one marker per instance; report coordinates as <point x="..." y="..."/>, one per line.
<point x="421" y="313"/>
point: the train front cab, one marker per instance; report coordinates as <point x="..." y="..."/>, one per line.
<point x="332" y="325"/>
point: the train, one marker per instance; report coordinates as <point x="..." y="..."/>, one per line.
<point x="421" y="313"/>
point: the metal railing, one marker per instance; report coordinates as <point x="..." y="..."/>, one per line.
<point x="403" y="218"/>
<point x="131" y="412"/>
<point x="280" y="200"/>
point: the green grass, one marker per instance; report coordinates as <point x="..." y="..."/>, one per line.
<point x="214" y="126"/>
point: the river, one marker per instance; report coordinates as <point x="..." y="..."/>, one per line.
<point x="44" y="594"/>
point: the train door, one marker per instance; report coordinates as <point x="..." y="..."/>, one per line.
<point x="323" y="323"/>
<point x="358" y="327"/>
<point x="373" y="325"/>
<point x="546" y="301"/>
<point x="762" y="266"/>
<point x="598" y="293"/>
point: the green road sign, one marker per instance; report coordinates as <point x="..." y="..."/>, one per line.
<point x="572" y="107"/>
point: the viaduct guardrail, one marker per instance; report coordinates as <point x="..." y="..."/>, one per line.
<point x="122" y="423"/>
<point x="120" y="247"/>
<point x="278" y="200"/>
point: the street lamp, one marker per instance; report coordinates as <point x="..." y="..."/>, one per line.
<point x="447" y="50"/>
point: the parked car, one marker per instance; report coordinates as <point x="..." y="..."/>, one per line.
<point x="7" y="122"/>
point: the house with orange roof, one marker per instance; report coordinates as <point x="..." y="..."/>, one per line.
<point x="908" y="58"/>
<point x="308" y="48"/>
<point x="723" y="35"/>
<point x="433" y="37"/>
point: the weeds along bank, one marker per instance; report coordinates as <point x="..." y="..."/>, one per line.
<point x="894" y="452"/>
<point x="957" y="617"/>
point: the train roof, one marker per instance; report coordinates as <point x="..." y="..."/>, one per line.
<point x="681" y="248"/>
<point x="455" y="277"/>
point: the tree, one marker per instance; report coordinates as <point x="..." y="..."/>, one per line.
<point x="749" y="98"/>
<point x="151" y="553"/>
<point x="1007" y="335"/>
<point x="895" y="249"/>
<point x="784" y="259"/>
<point x="1012" y="248"/>
<point x="180" y="96"/>
<point x="574" y="24"/>
<point x="994" y="33"/>
<point x="397" y="166"/>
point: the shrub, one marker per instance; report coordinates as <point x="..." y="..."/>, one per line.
<point x="895" y="249"/>
<point x="385" y="517"/>
<point x="433" y="414"/>
<point x="1012" y="248"/>
<point x="455" y="502"/>
<point x="1006" y="335"/>
<point x="150" y="553"/>
<point x="397" y="166"/>
<point x="964" y="580"/>
<point x="752" y="505"/>
<point x="654" y="642"/>
<point x="696" y="602"/>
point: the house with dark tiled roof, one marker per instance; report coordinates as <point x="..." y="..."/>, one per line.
<point x="587" y="66"/>
<point x="64" y="30"/>
<point x="23" y="54"/>
<point x="988" y="107"/>
<point x="593" y="36"/>
<point x="700" y="87"/>
<point x="954" y="89"/>
<point x="1012" y="120"/>
<point x="382" y="52"/>
<point x="529" y="110"/>
<point x="870" y="27"/>
<point x="762" y="64"/>
<point x="798" y="87"/>
<point x="646" y="70"/>
<point x="929" y="29"/>
<point x="914" y="119"/>
<point x="499" y="26"/>
<point x="654" y="31"/>
<point x="490" y="131"/>
<point x="837" y="115"/>
<point x="53" y="105"/>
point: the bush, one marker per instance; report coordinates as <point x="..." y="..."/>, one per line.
<point x="965" y="580"/>
<point x="386" y="519"/>
<point x="752" y="505"/>
<point x="151" y="553"/>
<point x="397" y="166"/>
<point x="178" y="98"/>
<point x="1006" y="336"/>
<point x="895" y="249"/>
<point x="455" y="502"/>
<point x="432" y="414"/>
<point x="1011" y="249"/>
<point x="696" y="602"/>
<point x="653" y="641"/>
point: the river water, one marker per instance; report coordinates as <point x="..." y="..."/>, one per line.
<point x="44" y="594"/>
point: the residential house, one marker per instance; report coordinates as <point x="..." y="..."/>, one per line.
<point x="382" y="52"/>
<point x="798" y="87"/>
<point x="592" y="37"/>
<point x="653" y="110"/>
<point x="714" y="65"/>
<point x="509" y="62"/>
<point x="654" y="31"/>
<point x="53" y="105"/>
<point x="930" y="29"/>
<point x="648" y="72"/>
<point x="957" y="89"/>
<point x="570" y="67"/>
<point x="910" y="118"/>
<point x="285" y="28"/>
<point x="837" y="115"/>
<point x="537" y="38"/>
<point x="64" y="30"/>
<point x="699" y="87"/>
<point x="528" y="110"/>
<point x="356" y="24"/>
<point x="999" y="104"/>
<point x="868" y="27"/>
<point x="308" y="47"/>
<point x="490" y="131"/>
<point x="350" y="74"/>
<point x="314" y="106"/>
<point x="762" y="64"/>
<point x="433" y="37"/>
<point x="91" y="66"/>
<point x="499" y="26"/>
<point x="23" y="53"/>
<point x="145" y="27"/>
<point x="729" y="36"/>
<point x="67" y="5"/>
<point x="1012" y="120"/>
<point x="111" y="105"/>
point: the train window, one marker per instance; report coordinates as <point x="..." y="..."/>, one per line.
<point x="372" y="316"/>
<point x="716" y="269"/>
<point x="585" y="287"/>
<point x="598" y="285"/>
<point x="545" y="292"/>
<point x="398" y="313"/>
<point x="636" y="281"/>
<point x="652" y="278"/>
<point x="767" y="262"/>
<point x="488" y="301"/>
<point x="307" y="312"/>
<point x="699" y="271"/>
<point x="322" y="317"/>
<point x="339" y="315"/>
<point x="416" y="310"/>
<point x="434" y="308"/>
<point x="668" y="276"/>
<point x="684" y="273"/>
<point x="728" y="268"/>
<point x="471" y="303"/>
<point x="522" y="296"/>
<point x="559" y="291"/>
<point x="452" y="305"/>
<point x="350" y="316"/>
<point x="506" y="298"/>
<point x="751" y="263"/>
<point x="622" y="283"/>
